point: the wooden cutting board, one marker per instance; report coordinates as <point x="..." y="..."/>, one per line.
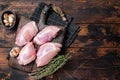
<point x="13" y="62"/>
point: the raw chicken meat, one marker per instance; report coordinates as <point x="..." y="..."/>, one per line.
<point x="47" y="34"/>
<point x="27" y="32"/>
<point x="27" y="54"/>
<point x="46" y="52"/>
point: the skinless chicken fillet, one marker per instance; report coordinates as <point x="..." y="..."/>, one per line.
<point x="26" y="34"/>
<point x="46" y="35"/>
<point x="27" y="54"/>
<point x="46" y="52"/>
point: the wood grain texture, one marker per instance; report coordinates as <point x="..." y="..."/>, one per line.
<point x="92" y="11"/>
<point x="96" y="48"/>
<point x="98" y="35"/>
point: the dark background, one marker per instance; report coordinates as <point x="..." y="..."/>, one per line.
<point x="96" y="48"/>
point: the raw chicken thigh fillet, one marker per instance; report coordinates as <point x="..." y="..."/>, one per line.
<point x="27" y="32"/>
<point x="46" y="52"/>
<point x="27" y="54"/>
<point x="47" y="34"/>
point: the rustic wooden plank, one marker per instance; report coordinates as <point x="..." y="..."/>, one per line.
<point x="92" y="11"/>
<point x="96" y="42"/>
<point x="100" y="30"/>
<point x="87" y="74"/>
<point x="3" y="60"/>
<point x="98" y="35"/>
<point x="87" y="41"/>
<point x="94" y="53"/>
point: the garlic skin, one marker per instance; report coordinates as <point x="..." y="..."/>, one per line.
<point x="10" y="19"/>
<point x="14" y="51"/>
<point x="6" y="22"/>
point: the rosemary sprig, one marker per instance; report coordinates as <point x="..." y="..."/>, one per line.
<point x="52" y="67"/>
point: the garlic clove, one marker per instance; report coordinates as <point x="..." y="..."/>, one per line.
<point x="5" y="21"/>
<point x="11" y="15"/>
<point x="5" y="16"/>
<point x="14" y="52"/>
<point x="10" y="19"/>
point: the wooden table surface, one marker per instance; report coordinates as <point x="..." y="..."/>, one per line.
<point x="96" y="48"/>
